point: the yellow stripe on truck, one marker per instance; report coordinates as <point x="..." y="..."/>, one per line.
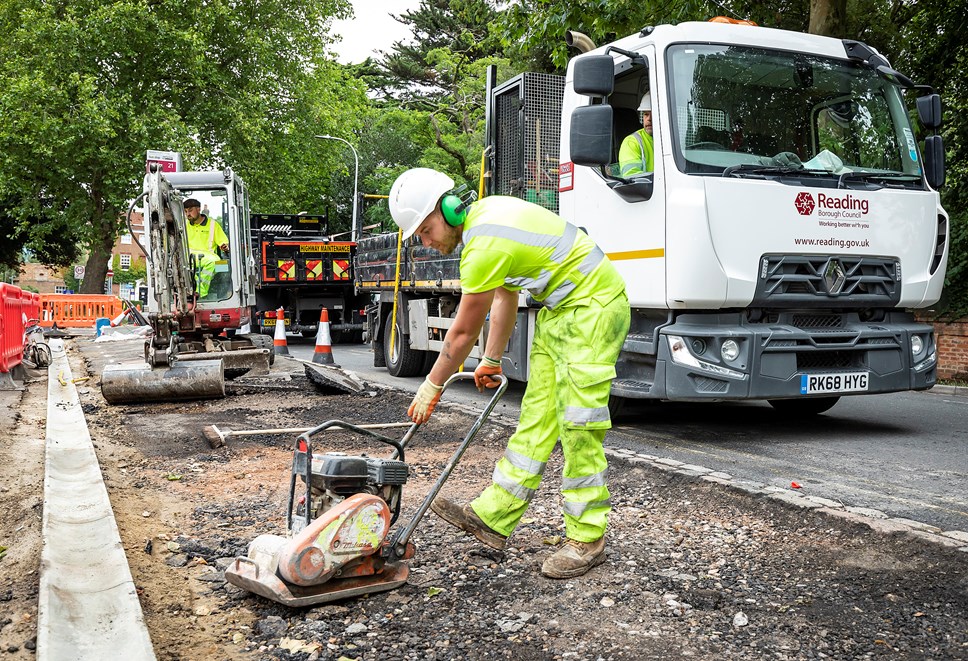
<point x="636" y="254"/>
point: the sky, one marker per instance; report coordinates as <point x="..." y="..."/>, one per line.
<point x="372" y="29"/>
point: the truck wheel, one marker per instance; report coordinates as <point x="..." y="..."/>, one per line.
<point x="404" y="361"/>
<point x="804" y="407"/>
<point x="430" y="357"/>
<point x="379" y="354"/>
<point x="617" y="406"/>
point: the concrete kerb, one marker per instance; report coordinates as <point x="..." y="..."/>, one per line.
<point x="88" y="604"/>
<point x="961" y="391"/>
<point x="874" y="519"/>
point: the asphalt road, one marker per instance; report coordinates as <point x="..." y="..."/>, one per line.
<point x="905" y="454"/>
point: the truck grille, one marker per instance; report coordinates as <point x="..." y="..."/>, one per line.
<point x="830" y="281"/>
<point x="813" y="360"/>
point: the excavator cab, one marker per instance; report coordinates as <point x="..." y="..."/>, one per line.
<point x="225" y="210"/>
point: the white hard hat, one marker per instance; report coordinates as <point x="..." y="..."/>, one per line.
<point x="646" y="103"/>
<point x="414" y="195"/>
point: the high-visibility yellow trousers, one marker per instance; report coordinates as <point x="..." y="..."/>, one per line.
<point x="573" y="359"/>
<point x="205" y="263"/>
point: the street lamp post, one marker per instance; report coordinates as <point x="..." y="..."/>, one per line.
<point x="356" y="181"/>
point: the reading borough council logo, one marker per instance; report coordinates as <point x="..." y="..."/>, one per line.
<point x="804" y="203"/>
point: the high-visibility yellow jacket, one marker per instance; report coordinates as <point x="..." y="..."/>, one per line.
<point x="207" y="236"/>
<point x="637" y="154"/>
<point x="515" y="244"/>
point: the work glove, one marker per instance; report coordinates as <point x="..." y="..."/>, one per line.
<point x="424" y="402"/>
<point x="485" y="373"/>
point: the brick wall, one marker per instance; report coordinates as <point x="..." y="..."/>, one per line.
<point x="42" y="278"/>
<point x="952" y="340"/>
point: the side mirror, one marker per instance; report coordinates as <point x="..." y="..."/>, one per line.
<point x="934" y="160"/>
<point x="594" y="75"/>
<point x="929" y="111"/>
<point x="591" y="135"/>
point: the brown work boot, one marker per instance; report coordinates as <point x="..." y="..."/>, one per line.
<point x="463" y="517"/>
<point x="574" y="559"/>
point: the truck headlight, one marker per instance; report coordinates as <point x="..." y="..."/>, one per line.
<point x="917" y="344"/>
<point x="729" y="351"/>
<point x="681" y="355"/>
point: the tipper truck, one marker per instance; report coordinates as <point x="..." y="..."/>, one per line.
<point x="777" y="250"/>
<point x="302" y="268"/>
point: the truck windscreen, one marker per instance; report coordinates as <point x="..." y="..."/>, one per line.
<point x="743" y="106"/>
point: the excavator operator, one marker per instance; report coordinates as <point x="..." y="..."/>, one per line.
<point x="205" y="237"/>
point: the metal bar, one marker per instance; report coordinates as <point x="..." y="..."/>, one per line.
<point x="399" y="545"/>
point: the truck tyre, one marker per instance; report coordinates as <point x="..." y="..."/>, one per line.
<point x="404" y="361"/>
<point x="617" y="405"/>
<point x="430" y="357"/>
<point x="379" y="353"/>
<point x="804" y="407"/>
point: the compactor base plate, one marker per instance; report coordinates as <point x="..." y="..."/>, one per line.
<point x="246" y="574"/>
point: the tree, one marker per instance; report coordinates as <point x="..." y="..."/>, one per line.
<point x="87" y="86"/>
<point x="461" y="27"/>
<point x="440" y="75"/>
<point x="935" y="53"/>
<point x="828" y="17"/>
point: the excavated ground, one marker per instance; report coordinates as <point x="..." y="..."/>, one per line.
<point x="695" y="569"/>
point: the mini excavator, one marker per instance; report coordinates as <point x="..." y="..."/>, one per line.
<point x="195" y="342"/>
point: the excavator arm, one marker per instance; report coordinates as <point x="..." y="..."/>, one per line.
<point x="170" y="267"/>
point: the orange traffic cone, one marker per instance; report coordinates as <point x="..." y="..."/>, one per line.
<point x="323" y="355"/>
<point x="279" y="345"/>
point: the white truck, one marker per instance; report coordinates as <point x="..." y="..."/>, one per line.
<point x="790" y="225"/>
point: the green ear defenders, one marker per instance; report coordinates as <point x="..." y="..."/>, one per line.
<point x="453" y="205"/>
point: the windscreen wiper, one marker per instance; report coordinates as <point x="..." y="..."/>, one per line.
<point x="894" y="179"/>
<point x="753" y="169"/>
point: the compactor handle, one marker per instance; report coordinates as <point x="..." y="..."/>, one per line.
<point x="398" y="545"/>
<point x="498" y="392"/>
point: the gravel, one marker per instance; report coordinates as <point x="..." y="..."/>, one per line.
<point x="696" y="567"/>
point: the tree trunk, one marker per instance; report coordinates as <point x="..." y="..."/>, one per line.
<point x="828" y="18"/>
<point x="96" y="268"/>
<point x="105" y="232"/>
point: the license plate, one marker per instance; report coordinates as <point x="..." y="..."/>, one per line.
<point x="272" y="322"/>
<point x="812" y="384"/>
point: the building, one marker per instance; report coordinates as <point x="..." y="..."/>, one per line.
<point x="126" y="255"/>
<point x="42" y="279"/>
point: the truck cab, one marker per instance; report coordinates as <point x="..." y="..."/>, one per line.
<point x="788" y="228"/>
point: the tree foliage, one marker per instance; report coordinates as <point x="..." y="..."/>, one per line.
<point x="87" y="86"/>
<point x="410" y="72"/>
<point x="430" y="95"/>
<point x="934" y="48"/>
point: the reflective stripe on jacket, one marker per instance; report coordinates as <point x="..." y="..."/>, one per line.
<point x="515" y="244"/>
<point x="637" y="154"/>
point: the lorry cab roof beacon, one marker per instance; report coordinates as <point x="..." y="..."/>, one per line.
<point x="790" y="225"/>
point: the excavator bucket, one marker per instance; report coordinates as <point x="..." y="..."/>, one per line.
<point x="138" y="382"/>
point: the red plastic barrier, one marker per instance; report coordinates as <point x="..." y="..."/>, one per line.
<point x="31" y="302"/>
<point x="77" y="310"/>
<point x="11" y="326"/>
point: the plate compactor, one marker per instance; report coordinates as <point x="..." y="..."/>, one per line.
<point x="339" y="543"/>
